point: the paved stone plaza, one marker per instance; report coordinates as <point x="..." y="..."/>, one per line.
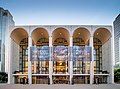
<point x="60" y="86"/>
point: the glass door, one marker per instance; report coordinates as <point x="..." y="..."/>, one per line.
<point x="60" y="79"/>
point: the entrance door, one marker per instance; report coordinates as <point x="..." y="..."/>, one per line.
<point x="60" y="79"/>
<point x="81" y="79"/>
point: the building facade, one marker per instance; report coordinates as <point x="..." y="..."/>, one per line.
<point x="116" y="24"/>
<point x="60" y="54"/>
<point x="59" y="69"/>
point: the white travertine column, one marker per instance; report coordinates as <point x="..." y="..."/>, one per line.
<point x="10" y="75"/>
<point x="29" y="62"/>
<point x="112" y="59"/>
<point x="92" y="61"/>
<point x="35" y="65"/>
<point x="71" y="62"/>
<point x="50" y="61"/>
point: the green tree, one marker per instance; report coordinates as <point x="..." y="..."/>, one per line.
<point x="117" y="75"/>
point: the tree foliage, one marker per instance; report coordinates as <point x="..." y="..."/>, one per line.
<point x="117" y="75"/>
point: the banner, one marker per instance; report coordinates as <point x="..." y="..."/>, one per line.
<point x="77" y="53"/>
<point x="33" y="54"/>
<point x="81" y="53"/>
<point x="40" y="53"/>
<point x="87" y="53"/>
<point x="60" y="53"/>
<point x="43" y="53"/>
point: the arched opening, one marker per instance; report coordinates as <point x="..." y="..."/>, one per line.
<point x="60" y="37"/>
<point x="102" y="34"/>
<point x="102" y="51"/>
<point x="19" y="48"/>
<point x="18" y="34"/>
<point x="80" y="65"/>
<point x="40" y="38"/>
<point x="60" y="44"/>
<point x="81" y="37"/>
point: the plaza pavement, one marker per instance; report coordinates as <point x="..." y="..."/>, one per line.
<point x="60" y="86"/>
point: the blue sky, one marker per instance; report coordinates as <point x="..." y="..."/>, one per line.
<point x="60" y="12"/>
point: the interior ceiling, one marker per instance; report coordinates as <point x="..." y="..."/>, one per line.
<point x="18" y="34"/>
<point x="60" y="33"/>
<point x="102" y="34"/>
<point x="39" y="33"/>
<point x="82" y="33"/>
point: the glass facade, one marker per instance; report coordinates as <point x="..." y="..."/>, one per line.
<point x="61" y="62"/>
<point x="42" y="66"/>
<point x="6" y="21"/>
<point x="23" y="60"/>
<point x="116" y="24"/>
<point x="97" y="56"/>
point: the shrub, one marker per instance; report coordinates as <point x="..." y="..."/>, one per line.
<point x="3" y="77"/>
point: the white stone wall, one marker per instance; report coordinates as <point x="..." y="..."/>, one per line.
<point x="15" y="56"/>
<point x="106" y="55"/>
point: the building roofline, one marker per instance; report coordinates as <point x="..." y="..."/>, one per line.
<point x="117" y="17"/>
<point x="6" y="11"/>
<point x="62" y="25"/>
